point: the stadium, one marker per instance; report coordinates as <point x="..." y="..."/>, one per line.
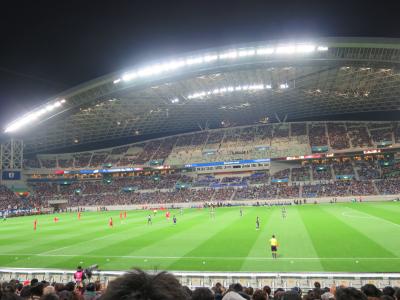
<point x="236" y="144"/>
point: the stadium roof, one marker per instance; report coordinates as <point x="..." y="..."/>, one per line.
<point x="236" y="85"/>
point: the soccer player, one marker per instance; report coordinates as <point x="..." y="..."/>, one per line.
<point x="212" y="211"/>
<point x="35" y="225"/>
<point x="258" y="223"/>
<point x="55" y="219"/>
<point x="181" y="211"/>
<point x="149" y="221"/>
<point x="79" y="215"/>
<point x="110" y="222"/>
<point x="167" y="215"/>
<point x="283" y="213"/>
<point x="241" y="212"/>
<point x="274" y="246"/>
<point x="125" y="214"/>
<point x="155" y="212"/>
<point x="120" y="215"/>
<point x="174" y="219"/>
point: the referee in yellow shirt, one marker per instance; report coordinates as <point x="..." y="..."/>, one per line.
<point x="274" y="246"/>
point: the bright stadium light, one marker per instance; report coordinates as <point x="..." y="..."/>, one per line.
<point x="229" y="89"/>
<point x="285" y="49"/>
<point x="208" y="58"/>
<point x="228" y="55"/>
<point x="147" y="71"/>
<point x="175" y="100"/>
<point x="129" y="76"/>
<point x="283" y="86"/>
<point x="194" y="61"/>
<point x="322" y="48"/>
<point x="265" y="51"/>
<point x="33" y="116"/>
<point x="305" y="48"/>
<point x="248" y="52"/>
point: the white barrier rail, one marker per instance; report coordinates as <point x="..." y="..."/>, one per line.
<point x="196" y="279"/>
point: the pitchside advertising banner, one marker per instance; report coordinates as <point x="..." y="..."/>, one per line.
<point x="11" y="175"/>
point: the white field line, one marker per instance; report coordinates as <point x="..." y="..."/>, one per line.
<point x="353" y="214"/>
<point x="201" y="257"/>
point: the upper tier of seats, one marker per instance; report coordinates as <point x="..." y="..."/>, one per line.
<point x="252" y="142"/>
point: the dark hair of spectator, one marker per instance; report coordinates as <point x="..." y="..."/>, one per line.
<point x="371" y="290"/>
<point x="350" y="293"/>
<point x="138" y="285"/>
<point x="202" y="293"/>
<point x="260" y="295"/>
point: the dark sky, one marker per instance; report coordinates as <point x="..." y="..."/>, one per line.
<point x="49" y="46"/>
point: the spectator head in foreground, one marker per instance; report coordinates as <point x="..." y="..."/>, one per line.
<point x="349" y="293"/>
<point x="260" y="295"/>
<point x="139" y="285"/>
<point x="397" y="294"/>
<point x="327" y="296"/>
<point x="388" y="290"/>
<point x="202" y="294"/>
<point x="371" y="291"/>
<point x="291" y="295"/>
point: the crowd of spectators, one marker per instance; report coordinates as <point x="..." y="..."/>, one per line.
<point x="388" y="186"/>
<point x="258" y="178"/>
<point x="339" y="188"/>
<point x="338" y="136"/>
<point x="301" y="174"/>
<point x="367" y="170"/>
<point x="359" y="137"/>
<point x="382" y="135"/>
<point x="233" y="143"/>
<point x="317" y="135"/>
<point x="140" y="285"/>
<point x="298" y="129"/>
<point x="282" y="174"/>
<point x="343" y="168"/>
<point x="391" y="171"/>
<point x="321" y="172"/>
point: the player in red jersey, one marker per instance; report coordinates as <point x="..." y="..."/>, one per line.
<point x="125" y="214"/>
<point x="79" y="215"/>
<point x="110" y="222"/>
<point x="120" y="215"/>
<point x="55" y="219"/>
<point x="35" y="224"/>
<point x="167" y="215"/>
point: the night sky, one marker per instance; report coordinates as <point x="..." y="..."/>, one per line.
<point x="50" y="46"/>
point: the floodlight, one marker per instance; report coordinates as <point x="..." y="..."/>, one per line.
<point x="322" y="48"/>
<point x="129" y="76"/>
<point x="229" y="54"/>
<point x="305" y="48"/>
<point x="285" y="49"/>
<point x="194" y="60"/>
<point x="265" y="51"/>
<point x="244" y="53"/>
<point x="208" y="58"/>
<point x="283" y="85"/>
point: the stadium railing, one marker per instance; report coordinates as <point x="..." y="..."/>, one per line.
<point x="208" y="279"/>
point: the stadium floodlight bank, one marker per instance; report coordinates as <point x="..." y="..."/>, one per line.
<point x="277" y="80"/>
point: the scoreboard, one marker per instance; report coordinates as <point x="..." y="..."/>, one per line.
<point x="11" y="175"/>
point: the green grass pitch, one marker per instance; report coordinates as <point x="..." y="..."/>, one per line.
<point x="351" y="237"/>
